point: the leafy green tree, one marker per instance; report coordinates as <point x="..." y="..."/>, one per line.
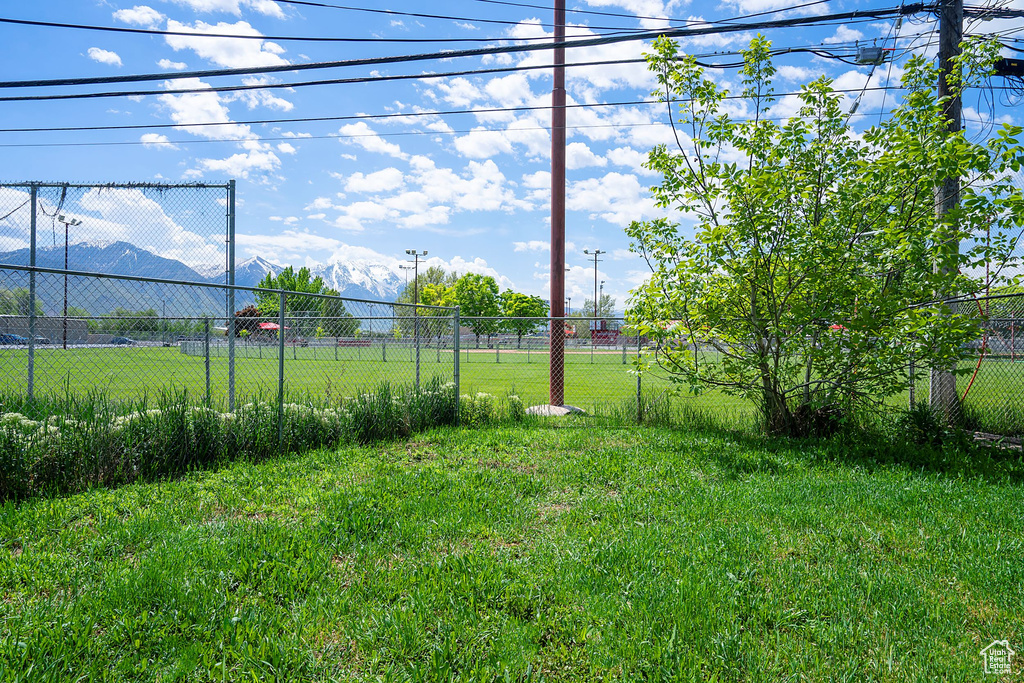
<point x="305" y="309"/>
<point x="516" y="307"/>
<point x="16" y="302"/>
<point x="434" y="275"/>
<point x="803" y="276"/>
<point x="605" y="308"/>
<point x="436" y="323"/>
<point x="477" y="296"/>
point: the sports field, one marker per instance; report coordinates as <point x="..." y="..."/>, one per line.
<point x="132" y="372"/>
<point x="593" y="379"/>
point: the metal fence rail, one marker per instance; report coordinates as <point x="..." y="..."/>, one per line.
<point x="135" y="337"/>
<point x="147" y="336"/>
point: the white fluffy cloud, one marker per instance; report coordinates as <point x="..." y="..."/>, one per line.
<point x="140" y="15"/>
<point x="104" y="56"/>
<point x="172" y="66"/>
<point x="844" y="34"/>
<point x="617" y="198"/>
<point x="630" y="158"/>
<point x="286" y="246"/>
<point x="124" y="210"/>
<point x="384" y="180"/>
<point x="156" y="140"/>
<point x="532" y="245"/>
<point x="481" y="143"/>
<point x="229" y="52"/>
<point x="578" y="155"/>
<point x="262" y="98"/>
<point x="205" y="107"/>
<point x="257" y="158"/>
<point x="363" y="136"/>
<point x="267" y="7"/>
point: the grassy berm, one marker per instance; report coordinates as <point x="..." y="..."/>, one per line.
<point x="525" y="554"/>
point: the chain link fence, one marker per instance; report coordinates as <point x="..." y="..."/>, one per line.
<point x="990" y="380"/>
<point x="598" y="372"/>
<point x="147" y="336"/>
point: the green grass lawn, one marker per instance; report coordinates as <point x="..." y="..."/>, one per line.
<point x="132" y="372"/>
<point x="521" y="554"/>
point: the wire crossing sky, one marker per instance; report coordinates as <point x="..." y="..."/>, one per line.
<point x="422" y="126"/>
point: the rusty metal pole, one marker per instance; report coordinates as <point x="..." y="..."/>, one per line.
<point x="557" y="293"/>
<point x="942" y="393"/>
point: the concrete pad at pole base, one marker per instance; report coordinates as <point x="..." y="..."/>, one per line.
<point x="554" y="411"/>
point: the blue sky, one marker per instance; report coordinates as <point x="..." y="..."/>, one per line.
<point x="470" y="188"/>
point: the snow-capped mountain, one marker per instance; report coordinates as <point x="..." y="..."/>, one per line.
<point x="248" y="273"/>
<point x="355" y="279"/>
<point x="360" y="280"/>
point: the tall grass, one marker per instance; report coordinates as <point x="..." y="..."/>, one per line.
<point x="78" y="442"/>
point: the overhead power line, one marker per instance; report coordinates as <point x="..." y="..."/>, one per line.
<point x="321" y="119"/>
<point x="277" y="39"/>
<point x="624" y="15"/>
<point x="366" y="117"/>
<point x="386" y="78"/>
<point x="397" y="13"/>
<point x="845" y="17"/>
<point x="343" y="136"/>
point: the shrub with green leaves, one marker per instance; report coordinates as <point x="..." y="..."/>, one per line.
<point x="796" y="275"/>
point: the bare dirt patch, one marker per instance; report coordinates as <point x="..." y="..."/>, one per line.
<point x="521" y="467"/>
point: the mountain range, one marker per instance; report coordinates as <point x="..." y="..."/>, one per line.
<point x="357" y="279"/>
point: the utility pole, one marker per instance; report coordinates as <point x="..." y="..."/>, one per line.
<point x="942" y="389"/>
<point x="415" y="310"/>
<point x="556" y="366"/>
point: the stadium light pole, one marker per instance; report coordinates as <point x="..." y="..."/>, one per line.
<point x="67" y="222"/>
<point x="406" y="268"/>
<point x="595" y="254"/>
<point x="415" y="302"/>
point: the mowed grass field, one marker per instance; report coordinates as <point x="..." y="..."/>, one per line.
<point x="594" y="381"/>
<point x="537" y="554"/>
<point x="131" y="372"/>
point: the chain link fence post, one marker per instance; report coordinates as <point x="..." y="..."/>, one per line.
<point x="455" y="345"/>
<point x="913" y="388"/>
<point x="206" y="343"/>
<point x="639" y="400"/>
<point x="33" y="196"/>
<point x="282" y="302"/>
<point x="231" y="295"/>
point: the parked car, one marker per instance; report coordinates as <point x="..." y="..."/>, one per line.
<point x="43" y="340"/>
<point x="122" y="341"/>
<point x="6" y="338"/>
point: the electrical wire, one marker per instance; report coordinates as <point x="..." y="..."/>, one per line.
<point x="343" y="136"/>
<point x="648" y="17"/>
<point x="331" y="136"/>
<point x="286" y="39"/>
<point x="379" y="78"/>
<point x="843" y="17"/>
